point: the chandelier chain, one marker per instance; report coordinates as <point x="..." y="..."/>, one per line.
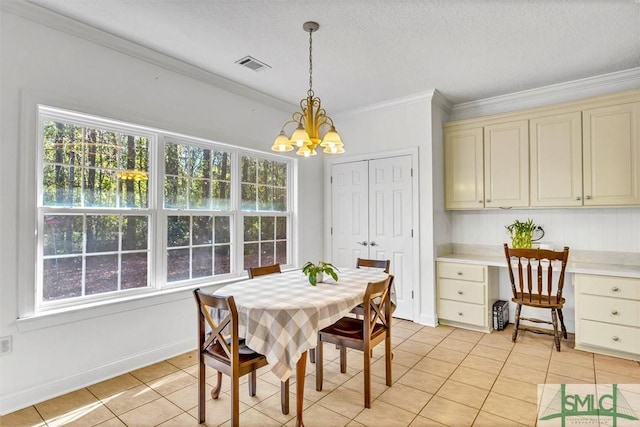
<point x="310" y="62"/>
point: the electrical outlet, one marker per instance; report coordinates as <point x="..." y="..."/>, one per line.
<point x="5" y="345"/>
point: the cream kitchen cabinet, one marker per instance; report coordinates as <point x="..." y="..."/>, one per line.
<point x="555" y="155"/>
<point x="608" y="315"/>
<point x="487" y="166"/>
<point x="611" y="153"/>
<point x="466" y="293"/>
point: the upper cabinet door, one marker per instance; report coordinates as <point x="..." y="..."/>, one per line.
<point x="464" y="186"/>
<point x="506" y="164"/>
<point x="555" y="157"/>
<point x="611" y="149"/>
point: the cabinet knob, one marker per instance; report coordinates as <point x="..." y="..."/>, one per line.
<point x="459" y="292"/>
<point x="578" y="198"/>
<point x="615" y="289"/>
<point x="615" y="338"/>
<point x="488" y="200"/>
<point x="588" y="197"/>
<point x="614" y="312"/>
<point x="459" y="313"/>
<point x="459" y="273"/>
<point x="479" y="201"/>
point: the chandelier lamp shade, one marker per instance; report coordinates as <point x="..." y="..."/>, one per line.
<point x="311" y="120"/>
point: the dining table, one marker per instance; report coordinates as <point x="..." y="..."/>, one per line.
<point x="279" y="315"/>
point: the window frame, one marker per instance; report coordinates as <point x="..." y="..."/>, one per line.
<point x="156" y="212"/>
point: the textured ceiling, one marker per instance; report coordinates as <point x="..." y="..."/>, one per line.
<point x="371" y="51"/>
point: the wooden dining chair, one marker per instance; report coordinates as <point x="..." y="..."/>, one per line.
<point x="536" y="288"/>
<point x="362" y="334"/>
<point x="383" y="264"/>
<point x="224" y="351"/>
<point x="284" y="385"/>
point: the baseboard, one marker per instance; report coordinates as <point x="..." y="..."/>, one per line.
<point x="428" y="320"/>
<point x="45" y="391"/>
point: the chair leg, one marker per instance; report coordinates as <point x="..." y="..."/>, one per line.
<point x="516" y="325"/>
<point x="284" y="396"/>
<point x="366" y="356"/>
<point x="201" y="388"/>
<point x="252" y="383"/>
<point x="319" y="366"/>
<point x="556" y="333"/>
<point x="343" y="359"/>
<point x="215" y="392"/>
<point x="388" y="356"/>
<point x="235" y="397"/>
<point x="564" y="330"/>
<point x="312" y="355"/>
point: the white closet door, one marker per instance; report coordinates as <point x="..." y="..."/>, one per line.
<point x="372" y="208"/>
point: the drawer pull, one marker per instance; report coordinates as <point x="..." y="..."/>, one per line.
<point x="615" y="338"/>
<point x="459" y="273"/>
<point x="615" y="289"/>
<point x="459" y="313"/>
<point x="459" y="292"/>
<point x="614" y="312"/>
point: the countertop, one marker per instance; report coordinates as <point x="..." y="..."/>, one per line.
<point x="603" y="269"/>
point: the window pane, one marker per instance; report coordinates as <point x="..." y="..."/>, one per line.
<point x="61" y="186"/>
<point x="202" y="230"/>
<point x="102" y="233"/>
<point x="251" y="228"/>
<point x="249" y="169"/>
<point x="200" y="162"/>
<point x="267" y="224"/>
<point x="265" y="173"/>
<point x="134" y="271"/>
<point x="281" y="227"/>
<point x="279" y="174"/>
<point x="134" y="190"/>
<point x="251" y="255"/>
<point x="62" y="278"/>
<point x="265" y="198"/>
<point x="100" y="188"/>
<point x="281" y="252"/>
<point x="101" y="274"/>
<point x="200" y="194"/>
<point x="222" y="261"/>
<point x="177" y="264"/>
<point x="280" y="199"/>
<point x="222" y="231"/>
<point x="267" y="253"/>
<point x="248" y="198"/>
<point x="221" y="166"/>
<point x="221" y="195"/>
<point x="63" y="234"/>
<point x="177" y="231"/>
<point x="135" y="232"/>
<point x="202" y="263"/>
<point x="175" y="192"/>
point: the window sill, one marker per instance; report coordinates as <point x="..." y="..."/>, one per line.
<point x="62" y="316"/>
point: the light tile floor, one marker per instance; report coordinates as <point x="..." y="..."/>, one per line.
<point x="441" y="376"/>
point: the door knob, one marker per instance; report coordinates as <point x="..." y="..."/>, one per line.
<point x="362" y="243"/>
<point x="373" y="244"/>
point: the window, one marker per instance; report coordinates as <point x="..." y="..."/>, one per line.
<point x="109" y="215"/>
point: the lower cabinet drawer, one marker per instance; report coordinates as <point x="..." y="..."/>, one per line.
<point x="615" y="337"/>
<point x="610" y="310"/>
<point x="459" y="290"/>
<point x="459" y="271"/>
<point x="462" y="312"/>
<point x="617" y="287"/>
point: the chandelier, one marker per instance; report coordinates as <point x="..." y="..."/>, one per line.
<point x="306" y="137"/>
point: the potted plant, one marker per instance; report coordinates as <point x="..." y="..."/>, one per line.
<point x="315" y="272"/>
<point x="522" y="233"/>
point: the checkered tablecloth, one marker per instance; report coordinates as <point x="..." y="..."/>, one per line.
<point x="281" y="314"/>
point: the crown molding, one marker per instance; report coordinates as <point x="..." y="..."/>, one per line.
<point x="396" y="102"/>
<point x="86" y="32"/>
<point x="547" y="95"/>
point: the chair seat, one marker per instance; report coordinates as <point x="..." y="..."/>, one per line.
<point x="245" y="354"/>
<point x="348" y="327"/>
<point x="539" y="301"/>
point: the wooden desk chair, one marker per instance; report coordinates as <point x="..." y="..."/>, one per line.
<point x="537" y="290"/>
<point x="227" y="354"/>
<point x="284" y="385"/>
<point x="362" y="334"/>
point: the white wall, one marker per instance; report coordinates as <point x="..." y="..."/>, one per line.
<point x="586" y="229"/>
<point x="59" y="353"/>
<point x="404" y="123"/>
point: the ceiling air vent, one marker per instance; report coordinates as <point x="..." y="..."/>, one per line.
<point x="252" y="63"/>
